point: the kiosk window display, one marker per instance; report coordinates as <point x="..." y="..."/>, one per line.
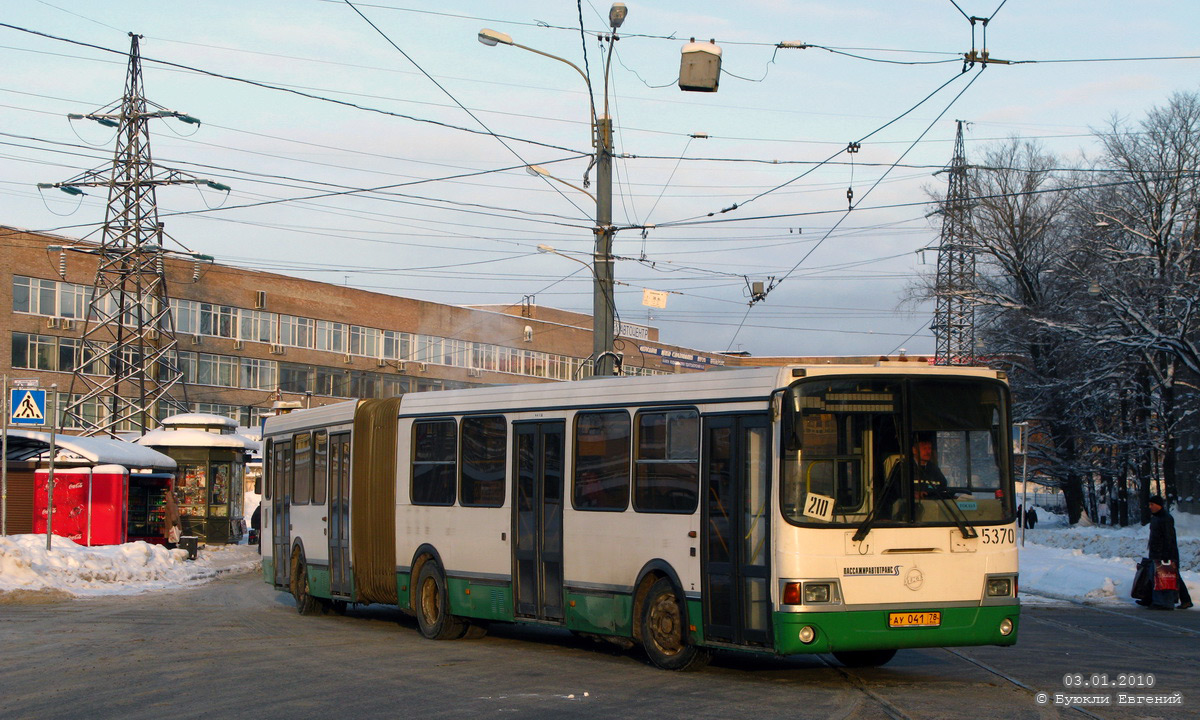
<point x="210" y="496"/>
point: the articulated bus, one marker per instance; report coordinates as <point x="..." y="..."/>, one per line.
<point x="780" y="510"/>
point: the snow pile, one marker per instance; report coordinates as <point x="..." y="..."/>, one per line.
<point x="26" y="565"/>
<point x="1096" y="563"/>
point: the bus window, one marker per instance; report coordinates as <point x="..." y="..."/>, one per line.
<point x="281" y="469"/>
<point x="484" y="446"/>
<point x="320" y="462"/>
<point x="601" y="461"/>
<point x="667" y="461"/>
<point x="302" y="469"/>
<point x="434" y="453"/>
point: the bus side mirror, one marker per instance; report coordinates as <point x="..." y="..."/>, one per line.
<point x="790" y="430"/>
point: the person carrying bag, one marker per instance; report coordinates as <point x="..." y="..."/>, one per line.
<point x="1164" y="553"/>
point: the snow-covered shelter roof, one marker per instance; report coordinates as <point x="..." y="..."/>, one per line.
<point x="29" y="444"/>
<point x="201" y="420"/>
<point x="194" y="437"/>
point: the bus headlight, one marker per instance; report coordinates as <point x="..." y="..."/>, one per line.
<point x="817" y="593"/>
<point x="1006" y="627"/>
<point x="1000" y="587"/>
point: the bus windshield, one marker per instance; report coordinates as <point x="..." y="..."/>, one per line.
<point x="887" y="451"/>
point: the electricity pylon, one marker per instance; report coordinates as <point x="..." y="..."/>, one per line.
<point x="128" y="367"/>
<point x="954" y="317"/>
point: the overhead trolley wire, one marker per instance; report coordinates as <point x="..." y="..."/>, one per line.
<point x="524" y="162"/>
<point x="279" y="88"/>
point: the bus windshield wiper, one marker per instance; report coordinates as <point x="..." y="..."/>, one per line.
<point x="865" y="527"/>
<point x="960" y="519"/>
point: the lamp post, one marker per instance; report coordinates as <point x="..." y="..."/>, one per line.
<point x="603" y="357"/>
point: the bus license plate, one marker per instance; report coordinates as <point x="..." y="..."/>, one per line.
<point x="915" y="619"/>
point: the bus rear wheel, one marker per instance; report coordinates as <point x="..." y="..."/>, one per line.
<point x="306" y="604"/>
<point x="664" y="632"/>
<point x="433" y="606"/>
<point x="864" y="658"/>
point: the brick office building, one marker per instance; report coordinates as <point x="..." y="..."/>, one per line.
<point x="247" y="338"/>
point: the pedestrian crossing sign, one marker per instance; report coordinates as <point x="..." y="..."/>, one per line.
<point x="27" y="407"/>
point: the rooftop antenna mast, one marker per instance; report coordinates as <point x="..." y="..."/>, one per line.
<point x="954" y="317"/>
<point x="127" y="373"/>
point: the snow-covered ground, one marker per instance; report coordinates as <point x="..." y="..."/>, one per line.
<point x="1095" y="563"/>
<point x="1058" y="564"/>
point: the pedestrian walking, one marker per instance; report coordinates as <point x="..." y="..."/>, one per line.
<point x="171" y="524"/>
<point x="1163" y="551"/>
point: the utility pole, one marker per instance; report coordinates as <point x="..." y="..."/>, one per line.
<point x="954" y="317"/>
<point x="602" y="260"/>
<point x="128" y="368"/>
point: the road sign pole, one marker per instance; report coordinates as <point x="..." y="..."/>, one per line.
<point x="4" y="466"/>
<point x="52" y="405"/>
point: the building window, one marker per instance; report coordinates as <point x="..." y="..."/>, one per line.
<point x="34" y="296"/>
<point x="484" y="445"/>
<point x="218" y="320"/>
<point x="256" y="326"/>
<point x="187" y="317"/>
<point x="331" y="336"/>
<point x="332" y="383"/>
<point x="364" y="341"/>
<point x="220" y="370"/>
<point x="435" y="446"/>
<point x="295" y="331"/>
<point x="666" y="464"/>
<point x="396" y="345"/>
<point x="34" y="352"/>
<point x="295" y="378"/>
<point x="259" y="374"/>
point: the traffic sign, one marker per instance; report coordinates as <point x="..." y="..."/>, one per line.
<point x="27" y="407"/>
<point x="22" y="383"/>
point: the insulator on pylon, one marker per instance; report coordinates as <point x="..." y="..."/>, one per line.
<point x="62" y="264"/>
<point x="158" y="265"/>
<point x="195" y="271"/>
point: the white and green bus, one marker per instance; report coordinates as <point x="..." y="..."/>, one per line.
<point x="781" y="510"/>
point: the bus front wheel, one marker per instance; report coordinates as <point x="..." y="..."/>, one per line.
<point x="664" y="631"/>
<point x="433" y="606"/>
<point x="864" y="658"/>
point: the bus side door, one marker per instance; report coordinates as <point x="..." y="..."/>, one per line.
<point x="538" y="520"/>
<point x="736" y="533"/>
<point x="281" y="516"/>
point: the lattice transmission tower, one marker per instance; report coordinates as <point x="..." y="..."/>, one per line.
<point x="128" y="370"/>
<point x="954" y="317"/>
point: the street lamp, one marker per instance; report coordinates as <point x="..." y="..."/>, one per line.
<point x="537" y="170"/>
<point x="603" y="357"/>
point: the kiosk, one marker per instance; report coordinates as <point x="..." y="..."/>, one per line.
<point x="212" y="467"/>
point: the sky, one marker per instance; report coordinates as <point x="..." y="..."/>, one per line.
<point x="1059" y="564"/>
<point x="360" y="143"/>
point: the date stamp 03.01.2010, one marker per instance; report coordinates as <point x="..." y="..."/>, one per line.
<point x="1133" y="688"/>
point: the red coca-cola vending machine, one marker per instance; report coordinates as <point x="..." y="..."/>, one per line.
<point x="90" y="504"/>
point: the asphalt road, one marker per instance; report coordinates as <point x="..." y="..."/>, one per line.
<point x="237" y="648"/>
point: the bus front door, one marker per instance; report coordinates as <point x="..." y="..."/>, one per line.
<point x="736" y="529"/>
<point x="339" y="515"/>
<point x="538" y="521"/>
<point x="281" y="516"/>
